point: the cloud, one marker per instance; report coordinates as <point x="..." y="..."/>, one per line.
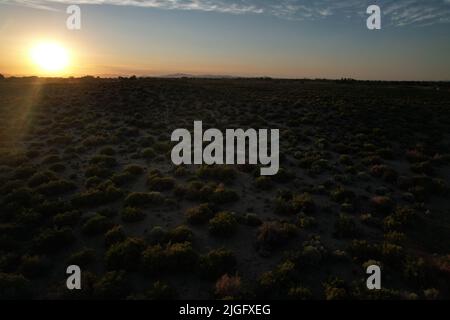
<point x="232" y="7"/>
<point x="397" y="12"/>
<point x="415" y="12"/>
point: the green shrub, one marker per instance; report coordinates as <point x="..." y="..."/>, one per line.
<point x="130" y="214"/>
<point x="345" y="227"/>
<point x="221" y="195"/>
<point x="61" y="139"/>
<point x="181" y="256"/>
<point x="162" y="147"/>
<point x="107" y="212"/>
<point x="121" y="179"/>
<point x="283" y="206"/>
<point x="157" y="182"/>
<point x="303" y="203"/>
<point x="345" y="160"/>
<point x="199" y="214"/>
<point x="148" y="153"/>
<point x="228" y="287"/>
<point x="57" y="167"/>
<point x="50" y="208"/>
<point x="431" y="294"/>
<point x="158" y="291"/>
<point x="392" y="254"/>
<point x="51" y="159"/>
<point x="97" y="197"/>
<point x="283" y="176"/>
<point x="125" y="255"/>
<point x="81" y="258"/>
<point x="361" y="292"/>
<point x="311" y="255"/>
<point x="217" y="262"/>
<point x="336" y="289"/>
<point x="23" y="196"/>
<point x="223" y="224"/>
<point x="306" y="222"/>
<point x="134" y="169"/>
<point x="154" y="259"/>
<point x="176" y="257"/>
<point x="56" y="187"/>
<point x="382" y="204"/>
<point x="93" y="182"/>
<point x="97" y="171"/>
<point x="342" y="195"/>
<point x="112" y="285"/>
<point x="384" y="172"/>
<point x="96" y="225"/>
<point x="147" y="141"/>
<point x="217" y="172"/>
<point x="300" y="293"/>
<point x="114" y="235"/>
<point x="252" y="220"/>
<point x="264" y="183"/>
<point x="273" y="234"/>
<point x="70" y="218"/>
<point x="347" y="207"/>
<point x="364" y="251"/>
<point x="14" y="286"/>
<point x="28" y="218"/>
<point x="195" y="191"/>
<point x="144" y="199"/>
<point x="180" y="234"/>
<point x="319" y="166"/>
<point x="287" y="204"/>
<point x="103" y="161"/>
<point x="274" y="284"/>
<point x="33" y="266"/>
<point x="157" y="235"/>
<point x="107" y="151"/>
<point x="414" y="270"/>
<point x="53" y="240"/>
<point x="40" y="178"/>
<point x="8" y="260"/>
<point x="161" y="291"/>
<point x="9" y="186"/>
<point x="23" y="172"/>
<point x="386" y="153"/>
<point x="400" y="218"/>
<point x="94" y="141"/>
<point x="425" y="167"/>
<point x="180" y="172"/>
<point x="395" y="237"/>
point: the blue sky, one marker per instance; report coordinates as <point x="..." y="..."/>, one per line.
<point x="287" y="38"/>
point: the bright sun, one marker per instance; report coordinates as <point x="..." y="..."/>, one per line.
<point x="50" y="57"/>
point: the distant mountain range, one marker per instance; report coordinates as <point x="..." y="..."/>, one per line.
<point x="202" y="76"/>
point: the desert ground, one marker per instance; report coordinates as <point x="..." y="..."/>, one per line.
<point x="86" y="179"/>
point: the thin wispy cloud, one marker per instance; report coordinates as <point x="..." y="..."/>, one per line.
<point x="397" y="12"/>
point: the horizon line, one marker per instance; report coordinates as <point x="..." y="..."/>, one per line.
<point x="209" y="77"/>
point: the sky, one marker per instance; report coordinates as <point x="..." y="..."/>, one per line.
<point x="284" y="39"/>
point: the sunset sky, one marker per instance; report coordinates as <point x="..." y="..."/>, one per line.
<point x="286" y="38"/>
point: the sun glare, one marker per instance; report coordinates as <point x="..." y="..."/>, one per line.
<point x="50" y="57"/>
